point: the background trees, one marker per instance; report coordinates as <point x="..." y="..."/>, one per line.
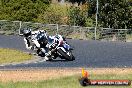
<point x="76" y="17"/>
<point x="112" y="13"/>
<point x="23" y="10"/>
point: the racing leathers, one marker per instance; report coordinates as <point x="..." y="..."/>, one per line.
<point x="33" y="41"/>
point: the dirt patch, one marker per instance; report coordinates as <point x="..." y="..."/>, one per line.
<point x="52" y="73"/>
<point x="34" y="74"/>
<point x="117" y="71"/>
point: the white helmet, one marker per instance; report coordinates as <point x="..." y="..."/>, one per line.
<point x="27" y="32"/>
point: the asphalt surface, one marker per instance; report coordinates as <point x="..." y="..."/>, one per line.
<point x="87" y="54"/>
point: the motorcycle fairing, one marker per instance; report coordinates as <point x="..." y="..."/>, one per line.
<point x="66" y="46"/>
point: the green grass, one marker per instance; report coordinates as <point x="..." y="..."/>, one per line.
<point x="129" y="37"/>
<point x="66" y="82"/>
<point x="11" y="55"/>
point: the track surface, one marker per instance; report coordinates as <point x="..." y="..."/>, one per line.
<point x="87" y="53"/>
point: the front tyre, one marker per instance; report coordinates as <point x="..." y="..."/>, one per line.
<point x="67" y="55"/>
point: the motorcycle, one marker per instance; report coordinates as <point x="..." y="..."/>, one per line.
<point x="57" y="47"/>
<point x="60" y="48"/>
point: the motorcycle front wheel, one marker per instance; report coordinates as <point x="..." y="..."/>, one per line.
<point x="67" y="55"/>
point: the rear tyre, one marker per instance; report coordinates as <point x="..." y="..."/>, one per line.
<point x="40" y="53"/>
<point x="53" y="57"/>
<point x="68" y="56"/>
<point x="50" y="59"/>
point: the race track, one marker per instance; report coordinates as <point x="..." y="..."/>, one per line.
<point x="87" y="53"/>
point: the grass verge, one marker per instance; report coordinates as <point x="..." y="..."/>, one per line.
<point x="60" y="78"/>
<point x="65" y="82"/>
<point x="11" y="56"/>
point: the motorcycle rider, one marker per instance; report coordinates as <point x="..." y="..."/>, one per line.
<point x="58" y="39"/>
<point x="36" y="38"/>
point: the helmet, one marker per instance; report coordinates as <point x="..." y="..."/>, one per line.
<point x="42" y="37"/>
<point x="27" y="32"/>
